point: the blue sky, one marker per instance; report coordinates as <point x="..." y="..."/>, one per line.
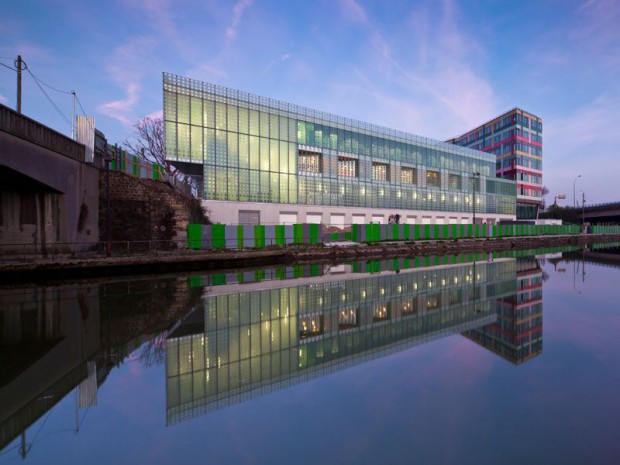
<point x="432" y="67"/>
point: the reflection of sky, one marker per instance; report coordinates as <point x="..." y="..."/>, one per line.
<point x="448" y="401"/>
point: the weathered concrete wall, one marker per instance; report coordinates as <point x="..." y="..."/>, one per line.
<point x="57" y="195"/>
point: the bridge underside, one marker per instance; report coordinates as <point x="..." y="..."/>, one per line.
<point x="49" y="198"/>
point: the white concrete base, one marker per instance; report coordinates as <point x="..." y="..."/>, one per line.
<point x="226" y="212"/>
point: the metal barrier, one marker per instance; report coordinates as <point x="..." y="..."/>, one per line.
<point x="220" y="236"/>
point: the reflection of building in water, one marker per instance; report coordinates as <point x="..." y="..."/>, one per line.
<point x="56" y="338"/>
<point x="243" y="344"/>
<point x="46" y="336"/>
<point x="517" y="334"/>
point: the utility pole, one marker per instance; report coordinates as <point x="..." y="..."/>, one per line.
<point x="73" y="115"/>
<point x="19" y="83"/>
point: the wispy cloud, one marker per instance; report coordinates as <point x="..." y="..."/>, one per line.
<point x="435" y="72"/>
<point x="238" y="10"/>
<point x="159" y="14"/>
<point x="3" y="99"/>
<point x="126" y="67"/>
<point x="575" y="141"/>
<point x="159" y="114"/>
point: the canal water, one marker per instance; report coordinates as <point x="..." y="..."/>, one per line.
<point x="476" y="359"/>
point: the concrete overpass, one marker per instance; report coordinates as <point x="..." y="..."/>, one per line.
<point x="49" y="197"/>
<point x="602" y="213"/>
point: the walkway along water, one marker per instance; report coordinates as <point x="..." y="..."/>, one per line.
<point x="185" y="260"/>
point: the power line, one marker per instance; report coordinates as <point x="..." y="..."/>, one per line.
<point x="83" y="111"/>
<point x="7" y="66"/>
<point x="47" y="85"/>
<point x="68" y="121"/>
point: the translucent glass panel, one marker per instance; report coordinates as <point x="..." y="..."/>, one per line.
<point x="380" y="172"/>
<point x="433" y="179"/>
<point x="408" y="175"/>
<point x="309" y="162"/>
<point x="347" y="167"/>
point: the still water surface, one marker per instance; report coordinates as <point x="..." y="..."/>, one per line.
<point x="468" y="359"/>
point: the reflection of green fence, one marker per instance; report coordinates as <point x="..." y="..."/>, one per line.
<point x="369" y="266"/>
<point x="219" y="236"/>
<point x="610" y="229"/>
<point x="605" y="245"/>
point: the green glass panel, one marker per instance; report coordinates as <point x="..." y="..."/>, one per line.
<point x="196" y="111"/>
<point x="183" y="108"/>
<point x="233" y="119"/>
<point x="196" y="143"/>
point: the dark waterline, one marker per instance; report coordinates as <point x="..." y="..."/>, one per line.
<point x="440" y="361"/>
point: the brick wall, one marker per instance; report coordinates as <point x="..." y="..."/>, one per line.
<point x="144" y="210"/>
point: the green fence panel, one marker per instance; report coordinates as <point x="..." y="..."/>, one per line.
<point x="314" y="234"/>
<point x="406" y="232"/>
<point x="218" y="235"/>
<point x="395" y="233"/>
<point x="376" y="232"/>
<point x="259" y="235"/>
<point x="298" y="233"/>
<point x="280" y="238"/>
<point x="194" y="236"/>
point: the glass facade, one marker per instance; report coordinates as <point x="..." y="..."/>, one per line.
<point x="515" y="138"/>
<point x="256" y="149"/>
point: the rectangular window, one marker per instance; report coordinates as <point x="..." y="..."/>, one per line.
<point x="454" y="182"/>
<point x="380" y="171"/>
<point x="310" y="325"/>
<point x="348" y="318"/>
<point x="347" y="167"/>
<point x="310" y="162"/>
<point x="408" y="175"/>
<point x="433" y="179"/>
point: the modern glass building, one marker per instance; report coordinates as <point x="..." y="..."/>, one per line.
<point x="265" y="161"/>
<point x="515" y="138"/>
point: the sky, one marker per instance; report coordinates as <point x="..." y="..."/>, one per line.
<point x="434" y="68"/>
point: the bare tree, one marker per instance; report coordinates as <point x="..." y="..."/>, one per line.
<point x="148" y="142"/>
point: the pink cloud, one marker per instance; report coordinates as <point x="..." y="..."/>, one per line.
<point x="121" y="109"/>
<point x="353" y="11"/>
<point x="238" y="11"/>
<point x="435" y="81"/>
<point x="126" y="66"/>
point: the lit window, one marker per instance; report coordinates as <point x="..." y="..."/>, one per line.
<point x="408" y="175"/>
<point x="380" y="172"/>
<point x="309" y="162"/>
<point x="347" y="167"/>
<point x="433" y="179"/>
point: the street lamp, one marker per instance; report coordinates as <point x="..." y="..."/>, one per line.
<point x="583" y="213"/>
<point x="558" y="197"/>
<point x="477" y="173"/>
<point x="574" y="198"/>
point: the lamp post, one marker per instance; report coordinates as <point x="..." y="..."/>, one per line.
<point x="477" y="173"/>
<point x="583" y="208"/>
<point x="558" y="197"/>
<point x="574" y="198"/>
